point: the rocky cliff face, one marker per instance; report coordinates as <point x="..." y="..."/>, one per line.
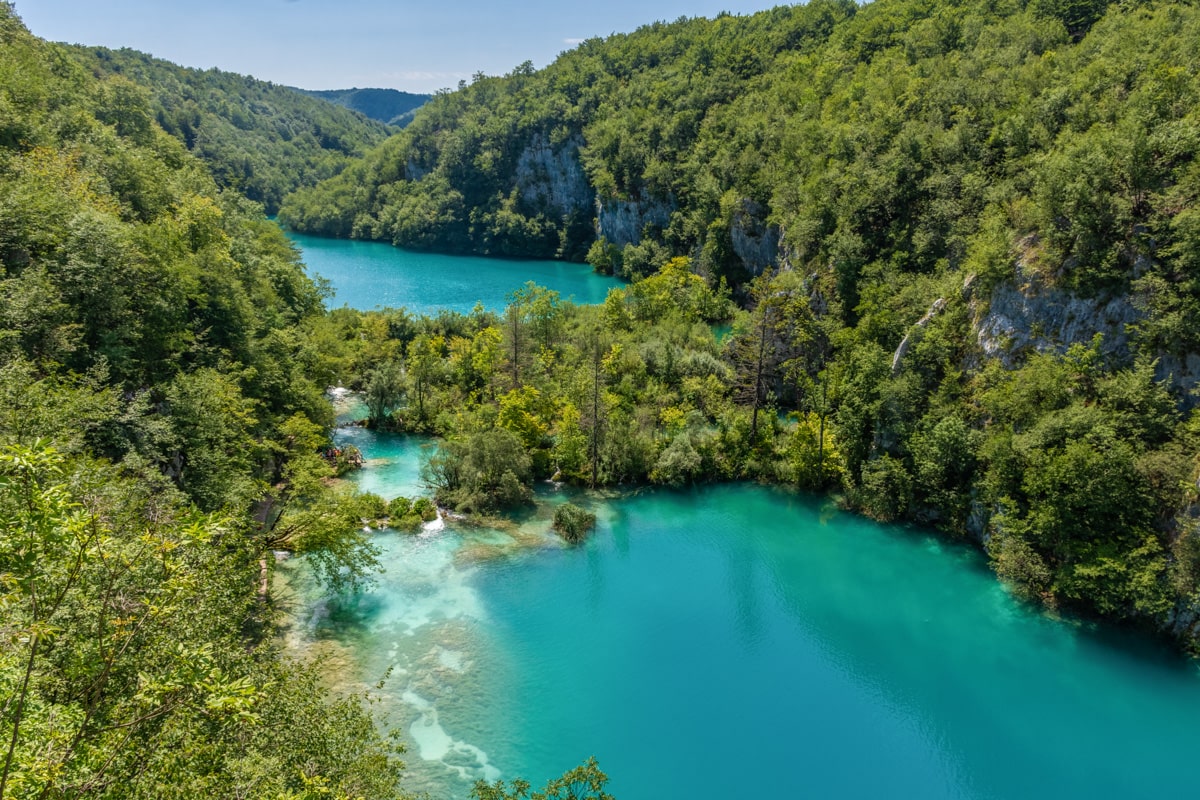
<point x="622" y="222"/>
<point x="755" y="242"/>
<point x="1025" y="315"/>
<point x="1183" y="372"/>
<point x="414" y="171"/>
<point x="551" y="178"/>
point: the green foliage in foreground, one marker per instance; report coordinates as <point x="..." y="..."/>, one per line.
<point x="160" y="402"/>
<point x="126" y="672"/>
<point x="585" y="782"/>
<point x="573" y="522"/>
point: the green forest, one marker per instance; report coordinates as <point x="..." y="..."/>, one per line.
<point x="938" y="260"/>
<point x="262" y="140"/>
<point x="901" y="139"/>
<point x="161" y="399"/>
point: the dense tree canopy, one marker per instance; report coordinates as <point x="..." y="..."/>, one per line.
<point x="257" y="138"/>
<point x="159" y="384"/>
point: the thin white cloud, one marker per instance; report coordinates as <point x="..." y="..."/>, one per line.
<point x="574" y="42"/>
<point x="417" y="75"/>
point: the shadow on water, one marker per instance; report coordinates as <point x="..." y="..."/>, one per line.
<point x="350" y="616"/>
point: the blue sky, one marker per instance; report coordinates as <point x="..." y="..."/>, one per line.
<point x="334" y="44"/>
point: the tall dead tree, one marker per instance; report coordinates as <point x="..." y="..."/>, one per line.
<point x="755" y="349"/>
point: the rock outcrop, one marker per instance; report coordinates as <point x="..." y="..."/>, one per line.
<point x="623" y="222"/>
<point x="755" y="241"/>
<point x="1026" y="315"/>
<point x="551" y="178"/>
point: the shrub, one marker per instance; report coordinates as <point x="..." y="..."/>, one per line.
<point x="425" y="508"/>
<point x="400" y="507"/>
<point x="573" y="522"/>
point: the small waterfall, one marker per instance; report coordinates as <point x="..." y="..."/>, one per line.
<point x="437" y="524"/>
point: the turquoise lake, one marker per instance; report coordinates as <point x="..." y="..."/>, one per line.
<point x="739" y="641"/>
<point x="726" y="642"/>
<point x="367" y="275"/>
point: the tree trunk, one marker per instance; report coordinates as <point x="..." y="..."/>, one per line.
<point x="264" y="580"/>
<point x="516" y="347"/>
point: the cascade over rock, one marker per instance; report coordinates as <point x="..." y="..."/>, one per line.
<point x="898" y="356"/>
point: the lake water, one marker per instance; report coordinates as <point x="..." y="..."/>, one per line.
<point x="367" y="275"/>
<point x="739" y="641"/>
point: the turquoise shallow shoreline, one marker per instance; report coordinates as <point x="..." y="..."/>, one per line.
<point x="736" y="641"/>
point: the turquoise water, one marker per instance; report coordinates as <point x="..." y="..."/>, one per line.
<point x="739" y="641"/>
<point x="393" y="462"/>
<point x="368" y="275"/>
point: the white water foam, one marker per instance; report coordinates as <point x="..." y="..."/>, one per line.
<point x="434" y="525"/>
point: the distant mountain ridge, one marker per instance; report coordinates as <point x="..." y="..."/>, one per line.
<point x="386" y="105"/>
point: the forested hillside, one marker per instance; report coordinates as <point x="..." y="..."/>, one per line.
<point x="974" y="229"/>
<point x="904" y="136"/>
<point x="386" y="105"/>
<point x="258" y="138"/>
<point x="157" y="377"/>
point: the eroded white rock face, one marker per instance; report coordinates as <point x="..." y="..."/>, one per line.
<point x="755" y="242"/>
<point x="622" y="221"/>
<point x="552" y="176"/>
<point x="1026" y="316"/>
